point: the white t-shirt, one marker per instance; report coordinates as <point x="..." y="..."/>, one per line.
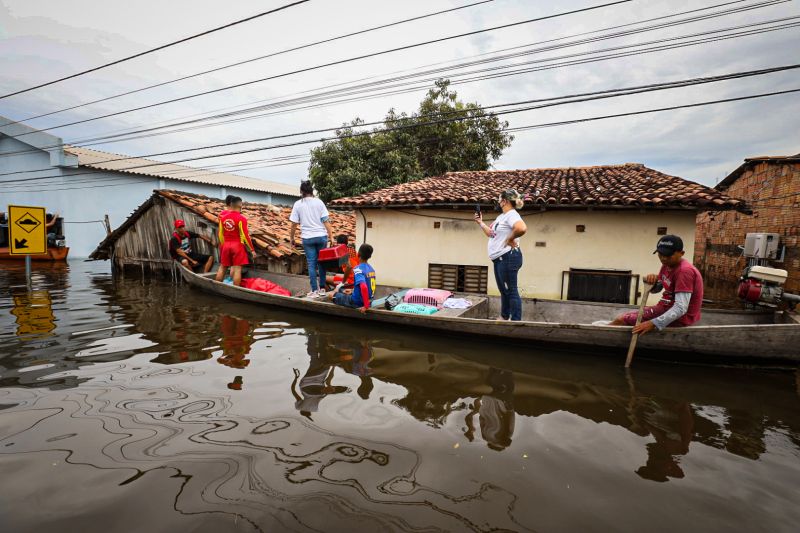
<point x="310" y="213"/>
<point x="503" y="227"/>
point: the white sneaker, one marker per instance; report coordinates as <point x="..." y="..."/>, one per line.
<point x="321" y="293"/>
<point x="312" y="294"/>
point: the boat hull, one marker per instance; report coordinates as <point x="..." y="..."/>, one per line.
<point x="52" y="254"/>
<point x="764" y="337"/>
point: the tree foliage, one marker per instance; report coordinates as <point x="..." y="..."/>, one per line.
<point x="406" y="148"/>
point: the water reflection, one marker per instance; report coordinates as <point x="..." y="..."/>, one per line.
<point x="285" y="421"/>
<point x="317" y="382"/>
<point x="495" y="411"/>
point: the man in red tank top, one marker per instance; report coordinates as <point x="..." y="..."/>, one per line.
<point x="233" y="238"/>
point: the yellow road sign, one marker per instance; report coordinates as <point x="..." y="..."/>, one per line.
<point x="27" y="230"/>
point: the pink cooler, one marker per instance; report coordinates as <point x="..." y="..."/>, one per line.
<point x="432" y="297"/>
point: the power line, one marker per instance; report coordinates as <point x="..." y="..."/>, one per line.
<point x="539" y="103"/>
<point x="740" y="9"/>
<point x="332" y="63"/>
<point x="524" y="70"/>
<point x="542" y="125"/>
<point x="156" y="49"/>
<point x="259" y="58"/>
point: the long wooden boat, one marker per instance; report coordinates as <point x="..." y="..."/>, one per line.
<point x="53" y="253"/>
<point x="721" y="335"/>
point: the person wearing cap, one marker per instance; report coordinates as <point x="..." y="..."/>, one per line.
<point x="504" y="251"/>
<point x="682" y="298"/>
<point x="180" y="248"/>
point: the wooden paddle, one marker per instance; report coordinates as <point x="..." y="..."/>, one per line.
<point x="645" y="293"/>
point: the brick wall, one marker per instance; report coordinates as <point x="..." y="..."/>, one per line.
<point x="773" y="189"/>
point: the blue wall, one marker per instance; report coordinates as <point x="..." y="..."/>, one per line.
<point x="83" y="194"/>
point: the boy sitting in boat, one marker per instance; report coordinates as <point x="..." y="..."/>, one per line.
<point x="345" y="275"/>
<point x="364" y="283"/>
<point x="682" y="284"/>
<point x="180" y="248"/>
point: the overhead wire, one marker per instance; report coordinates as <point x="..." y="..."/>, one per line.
<point x="539" y="103"/>
<point x="502" y="74"/>
<point x="156" y="49"/>
<point x="759" y="5"/>
<point x="551" y="124"/>
<point x="258" y="58"/>
<point x="332" y="63"/>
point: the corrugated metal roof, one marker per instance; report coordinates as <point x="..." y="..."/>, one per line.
<point x="149" y="167"/>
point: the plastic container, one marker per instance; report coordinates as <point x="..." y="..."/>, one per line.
<point x="432" y="297"/>
<point x="332" y="258"/>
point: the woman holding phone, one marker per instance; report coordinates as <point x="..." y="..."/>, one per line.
<point x="504" y="234"/>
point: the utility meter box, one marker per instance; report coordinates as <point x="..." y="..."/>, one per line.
<point x="761" y="245"/>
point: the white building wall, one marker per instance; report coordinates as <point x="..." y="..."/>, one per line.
<point x="406" y="242"/>
<point x="81" y="195"/>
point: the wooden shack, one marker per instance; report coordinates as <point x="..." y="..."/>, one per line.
<point x="141" y="243"/>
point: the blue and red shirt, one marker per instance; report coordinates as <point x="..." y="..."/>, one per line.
<point x="365" y="283"/>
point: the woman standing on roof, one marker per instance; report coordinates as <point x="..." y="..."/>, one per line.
<point x="315" y="231"/>
<point x="504" y="251"/>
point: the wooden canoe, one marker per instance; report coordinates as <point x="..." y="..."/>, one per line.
<point x="767" y="337"/>
<point x="53" y="254"/>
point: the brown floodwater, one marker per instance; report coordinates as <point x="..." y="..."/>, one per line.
<point x="139" y="405"/>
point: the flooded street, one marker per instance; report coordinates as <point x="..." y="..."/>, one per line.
<point x="130" y="405"/>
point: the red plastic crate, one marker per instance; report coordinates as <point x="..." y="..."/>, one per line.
<point x="331" y="258"/>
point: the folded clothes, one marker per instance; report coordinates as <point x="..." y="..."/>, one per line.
<point x="457" y="303"/>
<point x="415" y="309"/>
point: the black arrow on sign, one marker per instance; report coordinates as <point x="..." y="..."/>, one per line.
<point x="19" y="244"/>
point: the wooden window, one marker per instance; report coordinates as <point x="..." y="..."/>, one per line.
<point x="369" y="224"/>
<point x="458" y="278"/>
<point x="437" y="225"/>
<point x="662" y="230"/>
<point x="541" y="244"/>
<point x="580" y="228"/>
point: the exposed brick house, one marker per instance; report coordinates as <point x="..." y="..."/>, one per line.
<point x="591" y="230"/>
<point x="771" y="187"/>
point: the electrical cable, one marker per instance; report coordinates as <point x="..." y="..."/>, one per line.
<point x="107" y="138"/>
<point x="563" y="123"/>
<point x="749" y="7"/>
<point x="330" y="64"/>
<point x="150" y="51"/>
<point x="481" y="78"/>
<point x="555" y="101"/>
<point x="251" y="60"/>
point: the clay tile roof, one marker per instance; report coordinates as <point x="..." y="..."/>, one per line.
<point x="629" y="185"/>
<point x="268" y="224"/>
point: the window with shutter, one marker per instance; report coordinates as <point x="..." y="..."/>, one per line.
<point x="458" y="278"/>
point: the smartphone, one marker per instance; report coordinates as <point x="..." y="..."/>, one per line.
<point x="477" y="209"/>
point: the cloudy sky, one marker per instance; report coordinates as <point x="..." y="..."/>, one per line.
<point x="41" y="40"/>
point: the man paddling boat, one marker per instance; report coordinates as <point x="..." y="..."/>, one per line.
<point x="682" y="284"/>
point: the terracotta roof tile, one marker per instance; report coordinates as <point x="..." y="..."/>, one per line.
<point x="631" y="184"/>
<point x="268" y="224"/>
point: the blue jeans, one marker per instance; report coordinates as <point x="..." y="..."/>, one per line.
<point x="316" y="271"/>
<point x="506" y="268"/>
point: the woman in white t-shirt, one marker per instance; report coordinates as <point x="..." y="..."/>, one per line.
<point x="315" y="231"/>
<point x="504" y="251"/>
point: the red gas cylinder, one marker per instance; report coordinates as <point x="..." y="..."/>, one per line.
<point x="750" y="291"/>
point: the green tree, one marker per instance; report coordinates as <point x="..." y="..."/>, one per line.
<point x="406" y="148"/>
